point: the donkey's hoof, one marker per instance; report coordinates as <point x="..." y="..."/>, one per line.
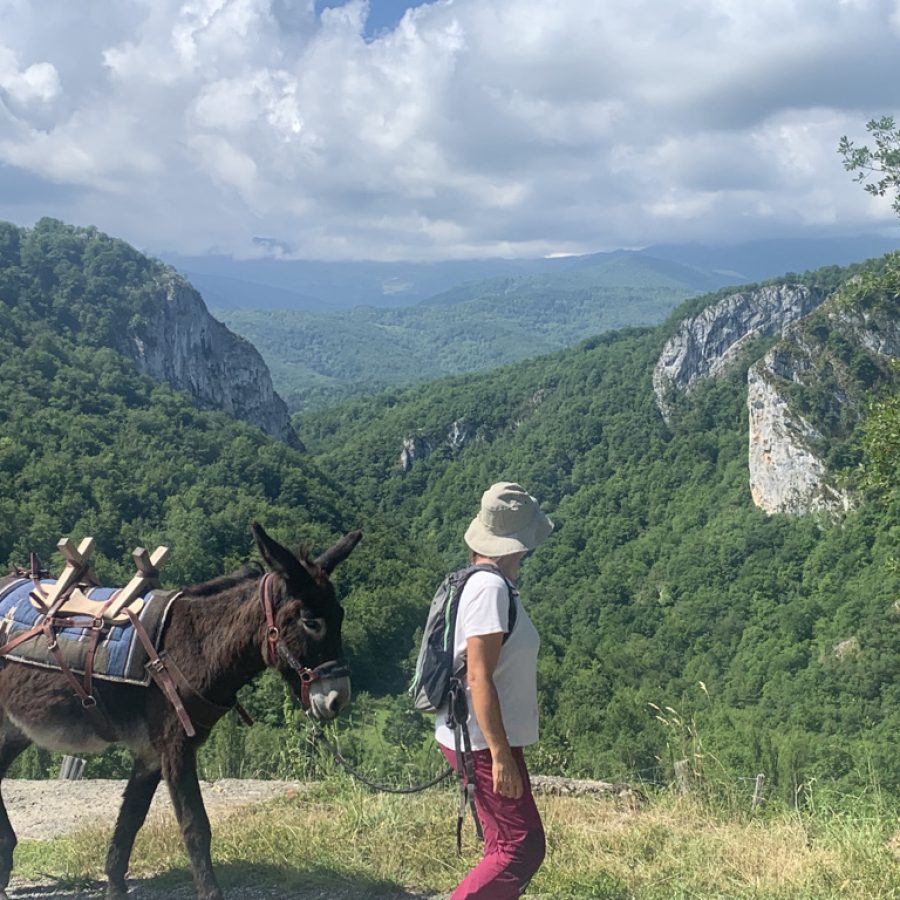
<point x="114" y="892"/>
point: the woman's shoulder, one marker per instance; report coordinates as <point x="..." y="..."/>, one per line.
<point x="485" y="583"/>
<point x="486" y="577"/>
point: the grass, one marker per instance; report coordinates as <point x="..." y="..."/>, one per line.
<point x="674" y="847"/>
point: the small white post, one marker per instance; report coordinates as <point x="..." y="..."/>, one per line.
<point x="758" y="798"/>
<point x="682" y="776"/>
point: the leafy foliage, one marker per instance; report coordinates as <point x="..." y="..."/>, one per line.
<point x="884" y="160"/>
<point x="662" y="575"/>
<point x="90" y="447"/>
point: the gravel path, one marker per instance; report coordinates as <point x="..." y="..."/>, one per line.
<point x="40" y="810"/>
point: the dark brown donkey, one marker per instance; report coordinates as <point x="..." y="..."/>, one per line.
<point x="219" y="637"/>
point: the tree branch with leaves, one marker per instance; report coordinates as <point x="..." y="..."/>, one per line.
<point x="883" y="160"/>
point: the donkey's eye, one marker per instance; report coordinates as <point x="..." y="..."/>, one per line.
<point x="313" y="627"/>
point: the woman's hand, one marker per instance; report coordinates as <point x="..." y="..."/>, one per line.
<point x="507" y="777"/>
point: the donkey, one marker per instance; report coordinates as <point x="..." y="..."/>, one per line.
<point x="220" y="635"/>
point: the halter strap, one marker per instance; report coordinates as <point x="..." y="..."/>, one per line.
<point x="276" y="648"/>
<point x="272" y="634"/>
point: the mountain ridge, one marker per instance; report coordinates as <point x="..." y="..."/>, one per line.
<point x="279" y="283"/>
<point x="104" y="293"/>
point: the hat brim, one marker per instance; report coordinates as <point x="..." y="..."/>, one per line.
<point x="486" y="543"/>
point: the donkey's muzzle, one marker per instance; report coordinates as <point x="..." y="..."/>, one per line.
<point x="325" y="689"/>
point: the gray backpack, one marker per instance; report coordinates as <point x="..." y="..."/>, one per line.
<point x="431" y="684"/>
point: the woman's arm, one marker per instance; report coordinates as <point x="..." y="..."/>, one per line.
<point x="482" y="653"/>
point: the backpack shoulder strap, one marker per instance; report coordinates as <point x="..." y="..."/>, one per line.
<point x="464" y="575"/>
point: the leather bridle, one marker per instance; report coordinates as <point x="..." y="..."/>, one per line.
<point x="275" y="648"/>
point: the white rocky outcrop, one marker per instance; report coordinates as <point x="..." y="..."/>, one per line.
<point x="786" y="473"/>
<point x="418" y="446"/>
<point x="178" y="342"/>
<point x="786" y="464"/>
<point x="704" y="344"/>
<point x="414" y="447"/>
<point x="875" y="331"/>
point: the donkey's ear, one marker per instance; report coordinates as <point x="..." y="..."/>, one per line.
<point x="278" y="558"/>
<point x="339" y="552"/>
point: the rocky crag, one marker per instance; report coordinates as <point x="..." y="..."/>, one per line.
<point x="705" y="344"/>
<point x="804" y="396"/>
<point x="180" y="343"/>
<point x="418" y="446"/>
<point x="102" y="292"/>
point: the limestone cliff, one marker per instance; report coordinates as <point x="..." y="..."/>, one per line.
<point x="805" y="397"/>
<point x="450" y="435"/>
<point x="418" y="446"/>
<point x="178" y="342"/>
<point x="787" y="473"/>
<point x="704" y="344"/>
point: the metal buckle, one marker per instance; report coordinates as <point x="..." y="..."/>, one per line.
<point x="89" y="702"/>
<point x="273" y="633"/>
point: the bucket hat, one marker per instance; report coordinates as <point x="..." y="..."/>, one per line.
<point x="509" y="521"/>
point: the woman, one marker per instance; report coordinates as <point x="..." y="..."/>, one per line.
<point x="501" y="691"/>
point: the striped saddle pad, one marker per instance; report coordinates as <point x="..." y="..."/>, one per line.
<point x="120" y="656"/>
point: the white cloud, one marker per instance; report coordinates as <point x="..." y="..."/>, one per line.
<point x="39" y="83"/>
<point x="474" y="127"/>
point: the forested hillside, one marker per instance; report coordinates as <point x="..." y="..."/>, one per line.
<point x="318" y="358"/>
<point x="774" y="640"/>
<point x="90" y="447"/>
<point x="678" y="620"/>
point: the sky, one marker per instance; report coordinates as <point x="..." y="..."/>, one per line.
<point x="453" y="129"/>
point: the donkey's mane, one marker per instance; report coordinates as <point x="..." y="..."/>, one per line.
<point x="222" y="583"/>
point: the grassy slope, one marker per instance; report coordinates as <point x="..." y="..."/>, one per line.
<point x="357" y="845"/>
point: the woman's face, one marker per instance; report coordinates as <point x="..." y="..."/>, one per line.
<point x="509" y="564"/>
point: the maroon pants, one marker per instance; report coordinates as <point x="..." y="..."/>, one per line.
<point x="513" y="835"/>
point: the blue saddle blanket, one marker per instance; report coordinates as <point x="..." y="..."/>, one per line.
<point x="120" y="656"/>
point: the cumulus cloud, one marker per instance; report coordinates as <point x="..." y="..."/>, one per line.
<point x="471" y="128"/>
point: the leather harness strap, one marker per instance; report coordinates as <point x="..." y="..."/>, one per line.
<point x="275" y="648"/>
<point x="272" y="633"/>
<point x="88" y="702"/>
<point x="19" y="639"/>
<point x="96" y="630"/>
<point x="36" y="574"/>
<point x="160" y="674"/>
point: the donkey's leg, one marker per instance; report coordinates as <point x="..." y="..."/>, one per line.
<point x="180" y="771"/>
<point x="12" y="743"/>
<point x="139" y="791"/>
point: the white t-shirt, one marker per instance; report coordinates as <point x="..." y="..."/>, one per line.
<point x="484" y="609"/>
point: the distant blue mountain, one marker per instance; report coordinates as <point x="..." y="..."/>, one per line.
<point x="761" y="260"/>
<point x="311" y="286"/>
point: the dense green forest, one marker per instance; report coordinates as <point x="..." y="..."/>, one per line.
<point x="678" y="621"/>
<point x="318" y="358"/>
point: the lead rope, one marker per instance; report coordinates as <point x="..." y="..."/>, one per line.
<point x="456" y="719"/>
<point x="318" y="737"/>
